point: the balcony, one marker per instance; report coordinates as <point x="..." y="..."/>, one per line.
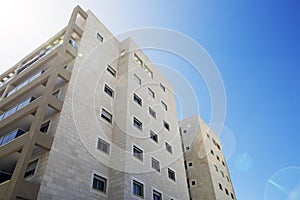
<point x="11" y="136"/>
<point x="23" y="84"/>
<point x="16" y="108"/>
<point x="42" y="53"/>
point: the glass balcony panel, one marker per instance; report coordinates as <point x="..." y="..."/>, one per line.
<point x="9" y="112"/>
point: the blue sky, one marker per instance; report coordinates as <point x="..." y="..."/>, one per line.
<point x="256" y="47"/>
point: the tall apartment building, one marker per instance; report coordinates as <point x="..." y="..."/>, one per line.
<point x="86" y="116"/>
<point x="207" y="173"/>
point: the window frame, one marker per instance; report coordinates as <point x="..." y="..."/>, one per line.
<point x="111" y="70"/>
<point x="151" y="93"/>
<point x="152" y="112"/>
<point x="101" y="141"/>
<point x="138" y="183"/>
<point x="136" y="122"/>
<point x="137" y="99"/>
<point x="172" y="173"/>
<point x="108" y="120"/>
<point x="152" y="133"/>
<point x="99" y="178"/>
<point x="139" y="154"/>
<point x="109" y="89"/>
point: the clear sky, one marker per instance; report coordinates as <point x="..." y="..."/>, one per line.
<point x="256" y="47"/>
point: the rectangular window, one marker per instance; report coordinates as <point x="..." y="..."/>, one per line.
<point x="212" y="152"/>
<point x="137" y="123"/>
<point x="155" y="164"/>
<point x="162" y="87"/>
<point x="220" y="186"/>
<point x="151" y="93"/>
<point x="148" y="71"/>
<point x="45" y="127"/>
<point x="232" y="196"/>
<point x="223" y="163"/>
<point x="106" y="115"/>
<point x="137" y="59"/>
<point x="137" y="99"/>
<point x="99" y="183"/>
<point x="222" y="173"/>
<point x="216" y="168"/>
<point x="103" y="146"/>
<point x="99" y="37"/>
<point x="108" y="90"/>
<point x="153" y="136"/>
<point x="152" y="113"/>
<point x="226" y="191"/>
<point x="164" y="105"/>
<point x="138" y="189"/>
<point x="166" y="125"/>
<point x="218" y="158"/>
<point x="157" y="195"/>
<point x="137" y="79"/>
<point x="227" y="178"/>
<point x="171" y="174"/>
<point x="111" y="70"/>
<point x="31" y="169"/>
<point x="169" y="147"/>
<point x="137" y="152"/>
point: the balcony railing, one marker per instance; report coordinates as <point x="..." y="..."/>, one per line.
<point x="42" y="53"/>
<point x="24" y="83"/>
<point x="16" y="108"/>
<point x="11" y="136"/>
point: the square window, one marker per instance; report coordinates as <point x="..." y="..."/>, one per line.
<point x="157" y="195"/>
<point x="171" y="174"/>
<point x="166" y="125"/>
<point x="138" y="153"/>
<point x="162" y="87"/>
<point x="190" y="164"/>
<point x="184" y="131"/>
<point x="103" y="146"/>
<point x="193" y="182"/>
<point x="99" y="183"/>
<point x="155" y="164"/>
<point x="187" y="148"/>
<point x="111" y="70"/>
<point x="45" y="127"/>
<point x="108" y="90"/>
<point x="138" y="189"/>
<point x="164" y="105"/>
<point x="151" y="93"/>
<point x="31" y="169"/>
<point x="152" y="113"/>
<point x="137" y="99"/>
<point x="137" y="123"/>
<point x="99" y="37"/>
<point x="169" y="147"/>
<point x="153" y="136"/>
<point x="137" y="79"/>
<point x="106" y="115"/>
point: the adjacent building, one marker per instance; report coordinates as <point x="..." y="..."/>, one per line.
<point x="206" y="169"/>
<point x="86" y="116"/>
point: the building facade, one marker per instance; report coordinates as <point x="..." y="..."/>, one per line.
<point x="206" y="169"/>
<point x="86" y="116"/>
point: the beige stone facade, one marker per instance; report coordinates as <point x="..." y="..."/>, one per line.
<point x="207" y="173"/>
<point x="86" y="116"/>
